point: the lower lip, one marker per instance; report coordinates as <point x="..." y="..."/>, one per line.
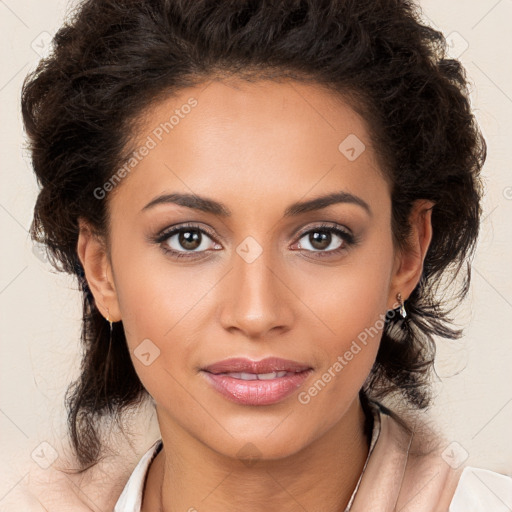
<point x="257" y="392"/>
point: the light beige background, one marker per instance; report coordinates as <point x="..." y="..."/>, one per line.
<point x="40" y="310"/>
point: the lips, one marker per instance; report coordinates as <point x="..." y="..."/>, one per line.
<point x="264" y="382"/>
<point x="262" y="367"/>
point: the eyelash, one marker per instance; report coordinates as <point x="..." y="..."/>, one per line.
<point x="348" y="238"/>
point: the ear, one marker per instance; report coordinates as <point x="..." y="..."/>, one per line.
<point x="408" y="265"/>
<point x="93" y="255"/>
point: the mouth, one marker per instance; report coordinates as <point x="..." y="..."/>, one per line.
<point x="257" y="376"/>
<point x="263" y="382"/>
<point x="267" y="366"/>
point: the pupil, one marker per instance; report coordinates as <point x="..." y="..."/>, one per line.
<point x="320" y="238"/>
<point x="190" y="239"/>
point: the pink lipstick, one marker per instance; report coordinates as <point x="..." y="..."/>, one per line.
<point x="263" y="382"/>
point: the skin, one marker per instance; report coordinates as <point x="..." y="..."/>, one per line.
<point x="257" y="148"/>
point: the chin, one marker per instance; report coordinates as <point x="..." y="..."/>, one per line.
<point x="260" y="446"/>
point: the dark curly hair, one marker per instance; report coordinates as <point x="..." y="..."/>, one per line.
<point x="113" y="59"/>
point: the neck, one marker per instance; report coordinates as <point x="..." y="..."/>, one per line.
<point x="189" y="476"/>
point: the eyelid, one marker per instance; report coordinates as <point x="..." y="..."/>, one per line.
<point x="163" y="236"/>
<point x="327" y="225"/>
<point x="169" y="231"/>
<point x="349" y="240"/>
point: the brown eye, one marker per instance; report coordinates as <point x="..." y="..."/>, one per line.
<point x="189" y="240"/>
<point x="320" y="240"/>
<point x="327" y="239"/>
<point x="186" y="239"/>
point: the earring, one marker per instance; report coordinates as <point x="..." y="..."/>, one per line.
<point x="403" y="313"/>
<point x="109" y="321"/>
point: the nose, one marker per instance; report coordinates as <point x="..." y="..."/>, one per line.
<point x="256" y="299"/>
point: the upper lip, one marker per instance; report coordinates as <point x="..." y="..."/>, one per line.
<point x="267" y="365"/>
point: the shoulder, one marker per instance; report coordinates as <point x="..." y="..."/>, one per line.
<point x="482" y="490"/>
<point x="43" y="492"/>
<point x="53" y="490"/>
<point x="427" y="478"/>
<point x="59" y="488"/>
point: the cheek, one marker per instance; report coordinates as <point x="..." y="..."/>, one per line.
<point x="163" y="307"/>
<point x="353" y="315"/>
<point x="350" y="298"/>
<point x="154" y="309"/>
<point x="351" y="302"/>
<point x="154" y="293"/>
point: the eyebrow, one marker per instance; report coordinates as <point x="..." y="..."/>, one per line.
<point x="207" y="205"/>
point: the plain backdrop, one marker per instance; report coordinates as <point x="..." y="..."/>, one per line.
<point x="40" y="309"/>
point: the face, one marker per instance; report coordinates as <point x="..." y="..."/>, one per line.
<point x="237" y="268"/>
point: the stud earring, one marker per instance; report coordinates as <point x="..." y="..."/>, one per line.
<point x="402" y="311"/>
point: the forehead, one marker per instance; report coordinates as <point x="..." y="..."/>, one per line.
<point x="263" y="138"/>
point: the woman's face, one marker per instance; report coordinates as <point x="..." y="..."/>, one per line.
<point x="259" y="269"/>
